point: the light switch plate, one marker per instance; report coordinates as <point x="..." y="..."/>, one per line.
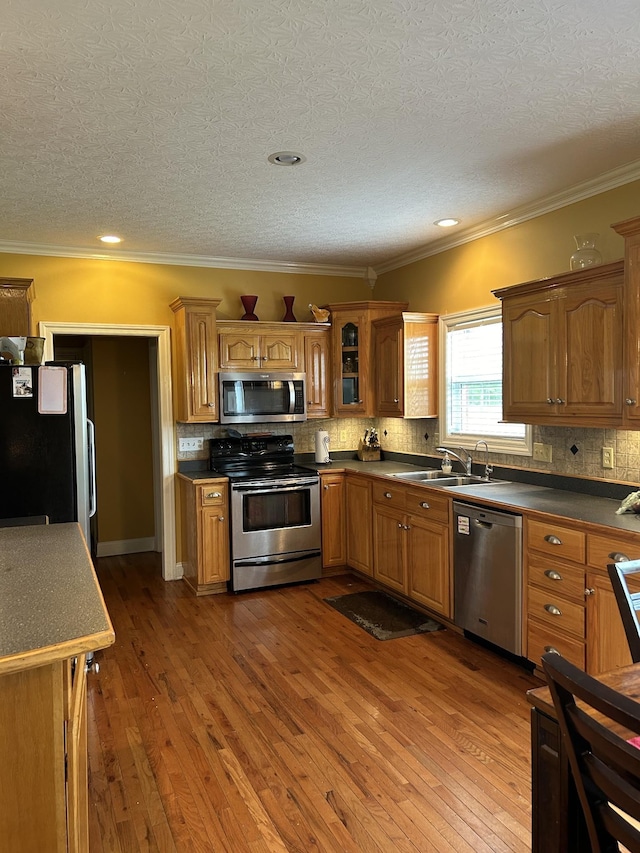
<point x="189" y="444"/>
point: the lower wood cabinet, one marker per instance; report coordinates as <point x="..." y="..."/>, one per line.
<point x="205" y="524"/>
<point x="332" y="509"/>
<point x="359" y="523"/>
<point x="43" y="759"/>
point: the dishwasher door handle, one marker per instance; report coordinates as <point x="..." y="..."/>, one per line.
<point x="486" y="524"/>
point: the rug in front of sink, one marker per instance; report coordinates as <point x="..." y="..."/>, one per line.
<point x="382" y="615"/>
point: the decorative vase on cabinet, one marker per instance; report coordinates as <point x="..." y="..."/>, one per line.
<point x="586" y="254"/>
<point x="249" y="303"/>
<point x="289" y="316"/>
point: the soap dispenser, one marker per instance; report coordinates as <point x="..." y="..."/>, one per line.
<point x="446" y="464"/>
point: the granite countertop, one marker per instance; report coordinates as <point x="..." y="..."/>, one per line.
<point x="514" y="496"/>
<point x="51" y="605"/>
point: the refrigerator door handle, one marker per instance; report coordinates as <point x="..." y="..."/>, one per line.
<point x="91" y="433"/>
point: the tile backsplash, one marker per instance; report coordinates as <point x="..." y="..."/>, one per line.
<point x="576" y="451"/>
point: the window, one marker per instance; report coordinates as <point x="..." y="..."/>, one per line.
<point x="471" y="384"/>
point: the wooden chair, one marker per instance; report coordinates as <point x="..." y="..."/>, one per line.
<point x="604" y="765"/>
<point x="628" y="603"/>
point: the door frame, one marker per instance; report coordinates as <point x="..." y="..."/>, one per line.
<point x="164" y="490"/>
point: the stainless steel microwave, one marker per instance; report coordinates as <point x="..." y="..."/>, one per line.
<point x="247" y="398"/>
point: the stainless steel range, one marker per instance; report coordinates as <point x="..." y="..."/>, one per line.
<point x="275" y="511"/>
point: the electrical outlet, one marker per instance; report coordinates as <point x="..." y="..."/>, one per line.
<point x="542" y="452"/>
<point x="608" y="457"/>
<point x="189" y="444"/>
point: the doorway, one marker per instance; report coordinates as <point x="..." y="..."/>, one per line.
<point x="164" y="460"/>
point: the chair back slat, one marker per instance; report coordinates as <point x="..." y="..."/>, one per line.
<point x="605" y="767"/>
<point x="628" y="603"/>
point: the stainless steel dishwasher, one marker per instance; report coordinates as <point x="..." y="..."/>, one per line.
<point x="487" y="567"/>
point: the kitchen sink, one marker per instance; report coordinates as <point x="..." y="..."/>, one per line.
<point x="430" y="474"/>
<point x="466" y="480"/>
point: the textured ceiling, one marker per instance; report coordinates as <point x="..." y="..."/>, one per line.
<point x="154" y="119"/>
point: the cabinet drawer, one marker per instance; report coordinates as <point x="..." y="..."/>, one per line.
<point x="602" y="550"/>
<point x="425" y="504"/>
<point x="215" y="493"/>
<point x="558" y="612"/>
<point x="557" y="541"/>
<point x="389" y="494"/>
<point x="557" y="578"/>
<point x="542" y="639"/>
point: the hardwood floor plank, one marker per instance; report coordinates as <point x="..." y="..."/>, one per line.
<point x="268" y="723"/>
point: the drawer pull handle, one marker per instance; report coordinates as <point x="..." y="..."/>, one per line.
<point x="552" y="540"/>
<point x="214" y="495"/>
<point x="424" y="505"/>
<point x="589" y="591"/>
<point x="388" y="495"/>
<point x="553" y="575"/>
<point x="618" y="557"/>
<point x="553" y="610"/>
<point x="551" y="649"/>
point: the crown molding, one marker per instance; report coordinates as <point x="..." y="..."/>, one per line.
<point x="19" y="248"/>
<point x="607" y="181"/>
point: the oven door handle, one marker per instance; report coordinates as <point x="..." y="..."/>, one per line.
<point x="275" y="561"/>
<point x="265" y="490"/>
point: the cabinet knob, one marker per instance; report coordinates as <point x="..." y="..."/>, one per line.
<point x="424" y="505"/>
<point x="309" y="402"/>
<point x="407" y="526"/>
<point x="265" y="358"/>
<point x="630" y="401"/>
<point x="396" y="400"/>
<point x="388" y="495"/>
<point x="326" y="487"/>
<point x="214" y="495"/>
<point x="553" y="610"/>
<point x="618" y="557"/>
<point x="551" y="649"/>
<point x="211" y="405"/>
<point x="400" y="525"/>
<point x="560" y="401"/>
<point x="221" y="518"/>
<point x="589" y="591"/>
<point x="550" y="401"/>
<point x="553" y="575"/>
<point x="255" y="358"/>
<point x="552" y="540"/>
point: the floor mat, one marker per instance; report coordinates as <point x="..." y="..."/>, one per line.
<point x="382" y="615"/>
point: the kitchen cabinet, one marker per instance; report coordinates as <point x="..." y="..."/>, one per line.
<point x="15" y="306"/>
<point x="353" y="354"/>
<point x="196" y="356"/>
<point x="630" y="230"/>
<point x="332" y="509"/>
<point x="246" y="346"/>
<point x="563" y="348"/>
<point x="411" y="544"/>
<point x="405" y="354"/>
<point x="317" y="368"/>
<point x="358" y="523"/>
<point x="205" y="526"/>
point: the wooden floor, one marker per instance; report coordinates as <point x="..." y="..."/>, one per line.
<point x="269" y="722"/>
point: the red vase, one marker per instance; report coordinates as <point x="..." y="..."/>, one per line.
<point x="289" y="316"/>
<point x="249" y="303"/>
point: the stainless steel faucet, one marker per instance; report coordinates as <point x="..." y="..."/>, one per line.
<point x="488" y="469"/>
<point x="466" y="463"/>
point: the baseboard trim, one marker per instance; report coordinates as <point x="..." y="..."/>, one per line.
<point x="116" y="547"/>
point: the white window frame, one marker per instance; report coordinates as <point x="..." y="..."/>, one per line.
<point x="497" y="444"/>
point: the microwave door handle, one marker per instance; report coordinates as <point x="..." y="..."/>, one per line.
<point x="292" y="396"/>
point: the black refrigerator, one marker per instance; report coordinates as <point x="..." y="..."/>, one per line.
<point x="47" y="448"/>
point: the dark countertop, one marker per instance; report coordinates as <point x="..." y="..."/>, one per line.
<point x="513" y="496"/>
<point x="51" y="605"/>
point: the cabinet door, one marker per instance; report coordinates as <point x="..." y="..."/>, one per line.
<point x="590" y="376"/>
<point x="350" y="362"/>
<point x="332" y="494"/>
<point x="528" y="359"/>
<point x="196" y="354"/>
<point x="388" y="356"/>
<point x="607" y="646"/>
<point x="239" y="351"/>
<point x="316" y="360"/>
<point x="279" y="351"/>
<point x="359" y="547"/>
<point x="77" y="765"/>
<point x="632" y="327"/>
<point x="215" y="565"/>
<point x="428" y="570"/>
<point x="389" y="547"/>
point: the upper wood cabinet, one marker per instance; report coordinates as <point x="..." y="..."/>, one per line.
<point x="405" y="355"/>
<point x="353" y="354"/>
<point x="196" y="356"/>
<point x="563" y="348"/>
<point x="15" y="306"/>
<point x="318" y="369"/>
<point x="630" y="230"/>
<point x="246" y="345"/>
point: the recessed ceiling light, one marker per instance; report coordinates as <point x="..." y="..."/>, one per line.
<point x="446" y="223"/>
<point x="110" y="238"/>
<point x="286" y="158"/>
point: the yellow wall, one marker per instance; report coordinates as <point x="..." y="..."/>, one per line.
<point x="463" y="278"/>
